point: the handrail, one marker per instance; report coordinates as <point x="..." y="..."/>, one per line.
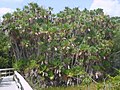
<point x="21" y="82"/>
<point x="6" y="69"/>
<point x="6" y="72"/>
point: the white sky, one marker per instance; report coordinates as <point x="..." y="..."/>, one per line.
<point x="110" y="7"/>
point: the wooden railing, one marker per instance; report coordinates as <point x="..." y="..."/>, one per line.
<point x="21" y="82"/>
<point x="6" y="72"/>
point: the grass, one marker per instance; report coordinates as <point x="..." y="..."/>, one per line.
<point x="80" y="87"/>
<point x="92" y="86"/>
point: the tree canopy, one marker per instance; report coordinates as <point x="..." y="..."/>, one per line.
<point x="70" y="43"/>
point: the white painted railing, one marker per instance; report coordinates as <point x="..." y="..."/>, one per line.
<point x="6" y="72"/>
<point x="21" y="82"/>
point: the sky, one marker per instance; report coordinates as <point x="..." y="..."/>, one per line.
<point x="110" y="7"/>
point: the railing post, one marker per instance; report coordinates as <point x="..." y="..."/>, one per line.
<point x="21" y="82"/>
<point x="9" y="72"/>
<point x="0" y="74"/>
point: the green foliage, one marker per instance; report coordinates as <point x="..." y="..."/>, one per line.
<point x="5" y="60"/>
<point x="20" y="65"/>
<point x="32" y="64"/>
<point x="25" y="65"/>
<point x="87" y="81"/>
<point x="72" y="41"/>
<point x="115" y="56"/>
<point x="116" y="41"/>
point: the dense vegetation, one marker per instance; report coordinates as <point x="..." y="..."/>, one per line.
<point x="5" y="59"/>
<point x="67" y="48"/>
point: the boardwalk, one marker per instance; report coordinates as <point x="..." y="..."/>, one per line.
<point x="7" y="83"/>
